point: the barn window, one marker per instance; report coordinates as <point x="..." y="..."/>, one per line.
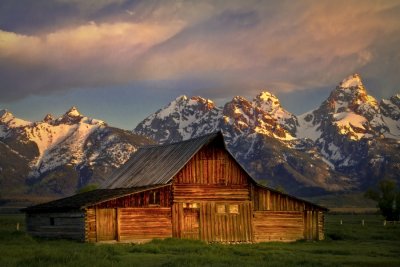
<point x="154" y="198"/>
<point x="221" y="209"/>
<point x="234" y="209"/>
<point x="51" y="221"/>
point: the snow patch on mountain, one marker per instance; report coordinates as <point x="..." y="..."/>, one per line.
<point x="306" y="127"/>
<point x="351" y="81"/>
<point x="350" y="124"/>
<point x="7" y="119"/>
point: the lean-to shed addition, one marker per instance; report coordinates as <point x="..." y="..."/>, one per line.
<point x="192" y="189"/>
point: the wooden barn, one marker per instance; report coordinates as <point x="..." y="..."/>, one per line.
<point x="193" y="189"/>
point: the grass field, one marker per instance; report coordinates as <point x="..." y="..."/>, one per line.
<point x="347" y="244"/>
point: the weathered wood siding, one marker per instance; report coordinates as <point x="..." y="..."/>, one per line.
<point x="321" y="225"/>
<point x="69" y="225"/>
<point x="128" y="224"/>
<point x="106" y="224"/>
<point x="213" y="221"/>
<point x="196" y="192"/>
<point x="313" y="225"/>
<point x="281" y="217"/>
<point x="90" y="225"/>
<point x="135" y="217"/>
<point x="265" y="199"/>
<point x="212" y="165"/>
<point x="211" y="198"/>
<point x="140" y="199"/>
<point x="278" y="226"/>
<point x="143" y="224"/>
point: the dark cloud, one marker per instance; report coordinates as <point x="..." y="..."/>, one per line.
<point x="211" y="48"/>
<point x="27" y="17"/>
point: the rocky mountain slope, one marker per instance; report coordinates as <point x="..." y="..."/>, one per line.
<point x="348" y="143"/>
<point x="56" y="156"/>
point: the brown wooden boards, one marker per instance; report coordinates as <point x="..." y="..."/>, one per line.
<point x="278" y="226"/>
<point x="106" y="224"/>
<point x="213" y="221"/>
<point x="143" y="224"/>
<point x="191" y="223"/>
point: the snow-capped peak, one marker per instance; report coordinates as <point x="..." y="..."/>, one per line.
<point x="48" y="118"/>
<point x="352" y="81"/>
<point x="11" y="121"/>
<point x="73" y="112"/>
<point x="267" y="96"/>
<point x="72" y="116"/>
<point x="267" y="101"/>
<point x="5" y="113"/>
<point x="351" y="94"/>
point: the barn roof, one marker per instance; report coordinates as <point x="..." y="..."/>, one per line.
<point x="86" y="199"/>
<point x="158" y="164"/>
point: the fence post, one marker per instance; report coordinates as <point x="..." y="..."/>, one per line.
<point x="362" y="222"/>
<point x="341" y="222"/>
<point x="384" y="223"/>
<point x="17" y="226"/>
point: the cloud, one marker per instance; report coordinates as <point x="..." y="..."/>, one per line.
<point x="220" y="48"/>
<point x="88" y="55"/>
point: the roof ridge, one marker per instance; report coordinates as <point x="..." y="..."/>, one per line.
<point x="183" y="141"/>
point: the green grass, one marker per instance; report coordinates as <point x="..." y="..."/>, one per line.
<point x="347" y="244"/>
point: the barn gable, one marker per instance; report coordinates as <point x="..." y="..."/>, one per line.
<point x="157" y="164"/>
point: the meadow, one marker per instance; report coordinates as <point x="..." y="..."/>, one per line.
<point x="346" y="244"/>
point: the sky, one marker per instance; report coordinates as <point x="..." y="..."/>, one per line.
<point x="121" y="60"/>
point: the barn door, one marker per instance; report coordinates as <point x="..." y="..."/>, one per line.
<point x="191" y="229"/>
<point x="106" y="222"/>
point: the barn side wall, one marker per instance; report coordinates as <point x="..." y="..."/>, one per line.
<point x="128" y="224"/>
<point x="68" y="225"/>
<point x="136" y="217"/>
<point x="278" y="217"/>
<point x="141" y="225"/>
<point x="278" y="226"/>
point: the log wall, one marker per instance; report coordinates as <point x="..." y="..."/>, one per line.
<point x="278" y="226"/>
<point x="69" y="225"/>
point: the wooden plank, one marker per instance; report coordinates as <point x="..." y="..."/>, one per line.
<point x="118" y="221"/>
<point x="143" y="224"/>
<point x="278" y="226"/>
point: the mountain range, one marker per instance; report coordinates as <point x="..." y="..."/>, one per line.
<point x="57" y="156"/>
<point x="348" y="143"/>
